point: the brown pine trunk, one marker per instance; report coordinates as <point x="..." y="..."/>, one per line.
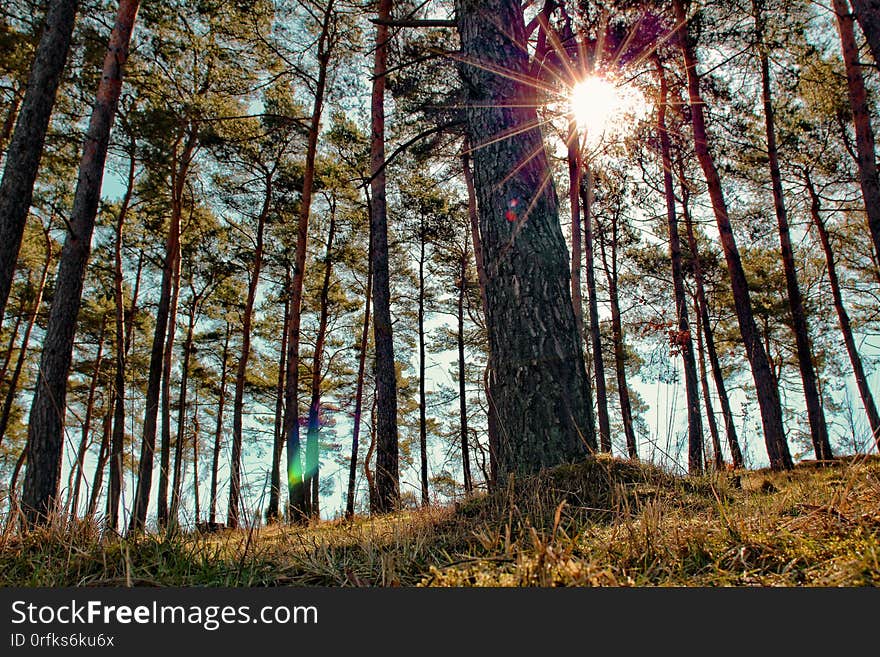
<point x="704" y="383"/>
<point x="586" y="193"/>
<point x="295" y="488"/>
<point x="842" y="316"/>
<point x="867" y="13"/>
<point x="703" y="314"/>
<point x="818" y="427"/>
<point x="536" y="354"/>
<point x="26" y="148"/>
<point x="423" y="420"/>
<point x="177" y="482"/>
<point x="25" y="342"/>
<point x="767" y="392"/>
<point x="858" y="98"/>
<point x="218" y="431"/>
<point x="241" y="373"/>
<point x="272" y="511"/>
<point x="474" y="217"/>
<point x="165" y="410"/>
<point x="617" y="338"/>
<point x="359" y="393"/>
<point x="683" y="341"/>
<point x="151" y="411"/>
<point x="462" y="379"/>
<point x="47" y="409"/>
<point x="313" y="452"/>
<point x="77" y="470"/>
<point x="387" y="457"/>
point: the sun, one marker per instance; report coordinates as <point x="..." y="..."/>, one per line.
<point x="603" y="108"/>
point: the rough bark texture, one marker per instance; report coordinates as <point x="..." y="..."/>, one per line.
<point x="858" y="98"/>
<point x="540" y="387"/>
<point x="45" y="429"/>
<point x="867" y="13"/>
<point x="765" y="386"/>
<point x="842" y="315"/>
<point x="683" y="340"/>
<point x="26" y="147"/>
<point x="815" y="413"/>
<point x="387" y="456"/>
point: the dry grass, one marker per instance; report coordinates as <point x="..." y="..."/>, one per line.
<point x="605" y="522"/>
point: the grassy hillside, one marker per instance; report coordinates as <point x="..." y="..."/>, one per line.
<point x="602" y="523"/>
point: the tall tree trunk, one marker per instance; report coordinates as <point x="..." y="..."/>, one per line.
<point x="241" y="373"/>
<point x="77" y="470"/>
<point x="47" y="409"/>
<point x="118" y="439"/>
<point x="462" y="378"/>
<point x="9" y="121"/>
<point x="842" y="315"/>
<point x="165" y="408"/>
<point x="767" y="392"/>
<point x="197" y="512"/>
<point x="683" y="338"/>
<point x="177" y="481"/>
<point x="13" y="335"/>
<point x="218" y="431"/>
<point x="295" y="488"/>
<point x="371" y="449"/>
<point x="313" y="452"/>
<point x="423" y="419"/>
<point x="26" y="147"/>
<point x="575" y="166"/>
<point x="103" y="456"/>
<point x="586" y="193"/>
<point x="359" y="392"/>
<point x="154" y="380"/>
<point x="704" y="383"/>
<point x="25" y="342"/>
<point x="474" y="216"/>
<point x="818" y="427"/>
<point x="272" y="512"/>
<point x="540" y="389"/>
<point x="703" y="313"/>
<point x="858" y="98"/>
<point x="867" y="13"/>
<point x="617" y="339"/>
<point x="387" y="455"/>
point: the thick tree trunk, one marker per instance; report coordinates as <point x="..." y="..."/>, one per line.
<point x="313" y="452"/>
<point x="45" y="428"/>
<point x="25" y="342"/>
<point x="765" y="386"/>
<point x="704" y="383"/>
<point x="858" y="98"/>
<point x="683" y="339"/>
<point x="387" y="456"/>
<point x="26" y="147"/>
<point x="462" y="378"/>
<point x="540" y="386"/>
<point x="272" y="511"/>
<point x="218" y="431"/>
<point x="842" y="315"/>
<point x="151" y="411"/>
<point x="241" y="372"/>
<point x="703" y="313"/>
<point x="77" y="470"/>
<point x="423" y="419"/>
<point x="867" y="13"/>
<point x="359" y="392"/>
<point x="474" y="217"/>
<point x="296" y="491"/>
<point x="617" y="339"/>
<point x="818" y="427"/>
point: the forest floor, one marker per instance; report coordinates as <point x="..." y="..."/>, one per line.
<point x="605" y="522"/>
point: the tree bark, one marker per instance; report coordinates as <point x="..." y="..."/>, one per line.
<point x="536" y="355"/>
<point x="272" y="511"/>
<point x="858" y="98"/>
<point x="423" y="419"/>
<point x="704" y="384"/>
<point x="45" y="428"/>
<point x="177" y="481"/>
<point x="241" y="373"/>
<point x="767" y="392"/>
<point x="218" y="431"/>
<point x="462" y="378"/>
<point x="703" y="314"/>
<point x="295" y="488"/>
<point x="842" y="315"/>
<point x="103" y="455"/>
<point x="26" y="148"/>
<point x="867" y="13"/>
<point x="387" y="456"/>
<point x="815" y="413"/>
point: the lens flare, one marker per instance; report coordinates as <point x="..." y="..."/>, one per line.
<point x="605" y="110"/>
